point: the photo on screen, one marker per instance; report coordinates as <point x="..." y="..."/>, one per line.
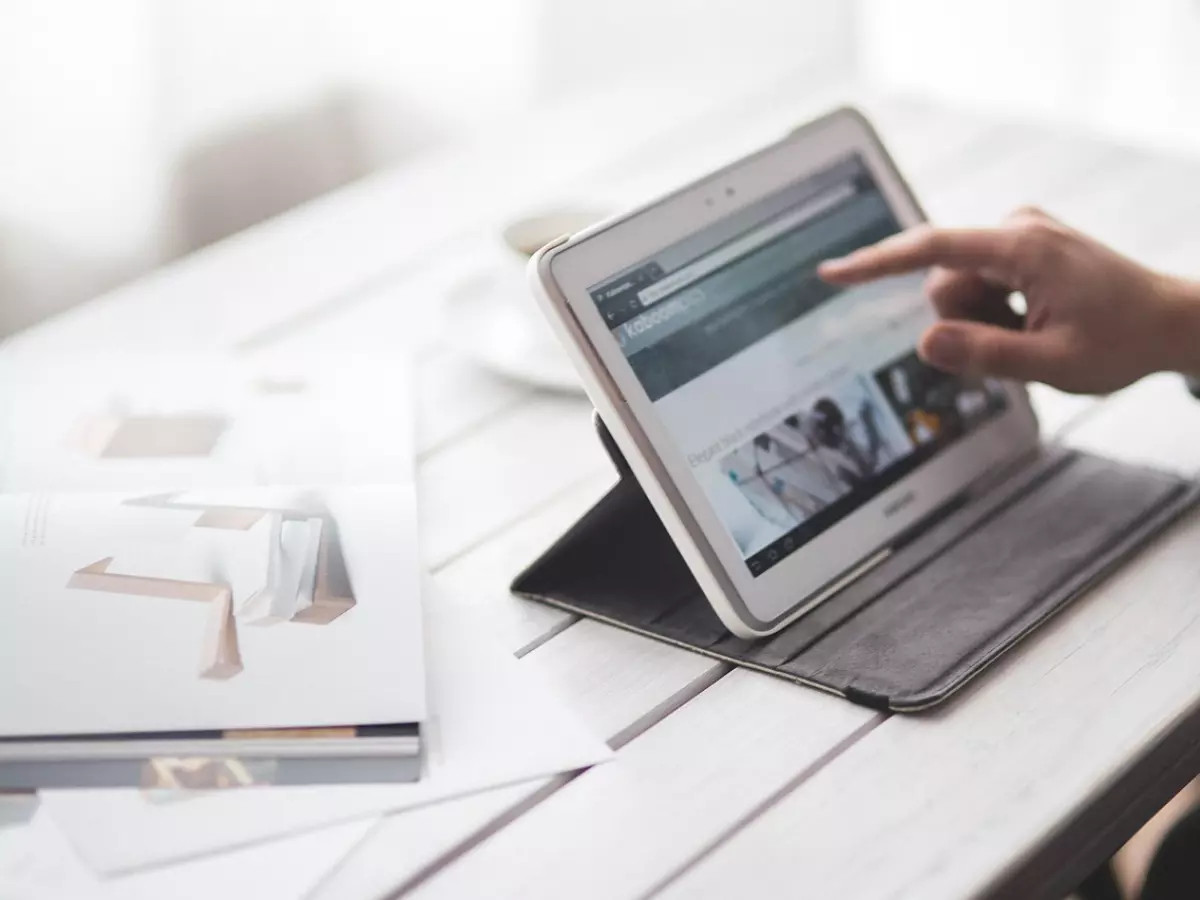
<point x="784" y="476"/>
<point x="934" y="407"/>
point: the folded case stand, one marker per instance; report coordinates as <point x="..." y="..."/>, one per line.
<point x="949" y="600"/>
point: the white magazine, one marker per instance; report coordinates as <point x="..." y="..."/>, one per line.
<point x="203" y="544"/>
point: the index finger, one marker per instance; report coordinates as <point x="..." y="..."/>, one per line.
<point x="981" y="249"/>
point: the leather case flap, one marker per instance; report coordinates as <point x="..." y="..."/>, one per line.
<point x="948" y="601"/>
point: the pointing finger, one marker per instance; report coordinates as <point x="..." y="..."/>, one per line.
<point x="987" y="250"/>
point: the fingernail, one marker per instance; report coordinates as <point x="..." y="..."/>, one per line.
<point x="945" y="348"/>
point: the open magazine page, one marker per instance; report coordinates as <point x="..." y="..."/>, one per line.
<point x="199" y="544"/>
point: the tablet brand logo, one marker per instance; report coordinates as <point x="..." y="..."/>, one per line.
<point x="899" y="503"/>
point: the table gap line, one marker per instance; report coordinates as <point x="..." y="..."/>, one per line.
<point x="693" y="690"/>
<point x="348" y="297"/>
<point x="483" y="422"/>
<point x="657" y="714"/>
<point x="1105" y="837"/>
<point x="488" y="830"/>
<point x="661" y="711"/>
<point x="438" y="565"/>
<point x="547" y="635"/>
<point x="793" y="784"/>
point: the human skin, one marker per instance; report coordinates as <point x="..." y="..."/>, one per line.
<point x="1095" y="320"/>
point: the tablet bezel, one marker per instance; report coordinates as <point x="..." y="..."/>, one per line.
<point x="793" y="586"/>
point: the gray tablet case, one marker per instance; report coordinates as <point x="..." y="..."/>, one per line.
<point x="954" y="595"/>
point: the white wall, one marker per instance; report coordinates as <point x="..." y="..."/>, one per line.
<point x="135" y="130"/>
<point x="1126" y="68"/>
<point x="77" y="149"/>
<point x="582" y="42"/>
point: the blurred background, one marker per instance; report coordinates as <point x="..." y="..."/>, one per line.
<point x="135" y="131"/>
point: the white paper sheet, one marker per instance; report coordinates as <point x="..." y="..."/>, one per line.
<point x="377" y="867"/>
<point x="38" y="863"/>
<point x="490" y="724"/>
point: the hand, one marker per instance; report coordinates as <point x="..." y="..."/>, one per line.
<point x="1095" y="321"/>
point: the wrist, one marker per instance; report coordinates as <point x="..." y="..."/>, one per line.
<point x="1180" y="326"/>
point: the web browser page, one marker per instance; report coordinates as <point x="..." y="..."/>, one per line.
<point x="794" y="401"/>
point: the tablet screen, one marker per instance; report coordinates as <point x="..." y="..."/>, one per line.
<point x="794" y="401"/>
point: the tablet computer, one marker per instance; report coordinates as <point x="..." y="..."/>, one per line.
<point x="783" y="428"/>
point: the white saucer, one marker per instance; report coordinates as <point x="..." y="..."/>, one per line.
<point x="492" y="319"/>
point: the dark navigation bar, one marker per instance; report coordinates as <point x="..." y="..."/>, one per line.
<point x="619" y="301"/>
<point x="617" y="298"/>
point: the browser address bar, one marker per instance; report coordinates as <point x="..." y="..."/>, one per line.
<point x="746" y="243"/>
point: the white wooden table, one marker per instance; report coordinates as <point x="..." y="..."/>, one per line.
<point x="727" y="783"/>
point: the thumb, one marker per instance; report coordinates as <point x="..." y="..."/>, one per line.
<point x="971" y="348"/>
